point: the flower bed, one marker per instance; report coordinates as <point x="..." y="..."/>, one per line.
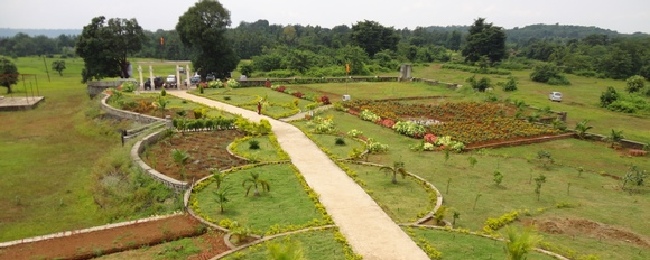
<point x="470" y="123"/>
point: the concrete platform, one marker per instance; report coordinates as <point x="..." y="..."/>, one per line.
<point x="15" y="103"/>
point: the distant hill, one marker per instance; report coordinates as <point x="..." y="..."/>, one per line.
<point x="544" y="31"/>
<point x="50" y="33"/>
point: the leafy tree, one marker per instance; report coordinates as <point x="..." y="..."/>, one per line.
<point x="608" y="97"/>
<point x="59" y="66"/>
<point x="497" y="177"/>
<point x="455" y="40"/>
<point x="8" y="74"/>
<point x="539" y="180"/>
<point x="162" y="102"/>
<point x="635" y="84"/>
<point x="255" y="182"/>
<point x="484" y="39"/>
<point x="373" y="37"/>
<point x="105" y="47"/>
<point x="548" y="73"/>
<point x="202" y="28"/>
<point x="246" y="69"/>
<point x="481" y="85"/>
<point x="520" y="242"/>
<point x="355" y="56"/>
<point x="398" y="168"/>
<point x="218" y="177"/>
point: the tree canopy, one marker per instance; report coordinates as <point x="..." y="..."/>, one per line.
<point x="8" y="73"/>
<point x="106" y="46"/>
<point x="203" y="28"/>
<point x="373" y="37"/>
<point x="484" y="39"/>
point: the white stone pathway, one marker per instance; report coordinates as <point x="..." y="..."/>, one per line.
<point x="368" y="229"/>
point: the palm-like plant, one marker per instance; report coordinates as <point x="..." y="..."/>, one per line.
<point x="582" y="128"/>
<point x="162" y="102"/>
<point x="288" y="250"/>
<point x="615" y="137"/>
<point x="255" y="182"/>
<point x="180" y="158"/>
<point x="520" y="242"/>
<point x="221" y="196"/>
<point x="398" y="168"/>
<point x="218" y="177"/>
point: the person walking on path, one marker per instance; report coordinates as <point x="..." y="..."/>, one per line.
<point x="259" y="107"/>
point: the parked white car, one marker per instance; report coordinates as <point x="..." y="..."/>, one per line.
<point x="555" y="96"/>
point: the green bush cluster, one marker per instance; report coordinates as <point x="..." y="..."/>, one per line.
<point x="494" y="224"/>
<point x="474" y="69"/>
<point x="201" y="124"/>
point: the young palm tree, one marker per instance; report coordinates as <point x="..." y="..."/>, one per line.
<point x="221" y="196"/>
<point x="398" y="167"/>
<point x="615" y="137"/>
<point x="288" y="250"/>
<point x="218" y="177"/>
<point x="582" y="128"/>
<point x="255" y="182"/>
<point x="181" y="158"/>
<point x="520" y="242"/>
<point x="161" y="103"/>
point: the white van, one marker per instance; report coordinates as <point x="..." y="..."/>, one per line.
<point x="555" y="96"/>
<point x="171" y="81"/>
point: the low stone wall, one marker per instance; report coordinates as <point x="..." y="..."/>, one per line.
<point x="432" y="82"/>
<point x="138" y="147"/>
<point x="146" y="119"/>
<point x="522" y="142"/>
<point x="95" y="88"/>
<point x="625" y="143"/>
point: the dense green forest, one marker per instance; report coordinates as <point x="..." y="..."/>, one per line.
<point x="277" y="50"/>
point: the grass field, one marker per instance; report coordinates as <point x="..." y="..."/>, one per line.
<point x="48" y="155"/>
<point x="286" y="203"/>
<point x="592" y="196"/>
<point x="315" y="245"/>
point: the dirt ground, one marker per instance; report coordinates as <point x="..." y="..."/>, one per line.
<point x="207" y="150"/>
<point x="554" y="225"/>
<point x="91" y="244"/>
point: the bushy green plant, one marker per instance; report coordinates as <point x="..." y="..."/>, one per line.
<point x="215" y="84"/>
<point x="253" y="145"/>
<point x="255" y="182"/>
<point x="497" y="177"/>
<point x="368" y="115"/>
<point x="519" y="242"/>
<point x="548" y="73"/>
<point x="510" y="85"/>
<point x="339" y="141"/>
<point x="608" y="97"/>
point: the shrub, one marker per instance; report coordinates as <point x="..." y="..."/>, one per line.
<point x="548" y="73"/>
<point x="253" y="145"/>
<point x="227" y="98"/>
<point x="163" y="92"/>
<point x="215" y="84"/>
<point x="325" y="100"/>
<point x="339" y="141"/>
<point x="199" y="113"/>
<point x="481" y="85"/>
<point x="511" y="85"/>
<point x="635" y="84"/>
<point x="608" y="97"/>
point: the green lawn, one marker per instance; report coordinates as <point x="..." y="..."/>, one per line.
<point x="266" y="152"/>
<point x="595" y="197"/>
<point x="403" y="201"/>
<point x="465" y="246"/>
<point x="315" y="245"/>
<point x="581" y="99"/>
<point x="369" y="90"/>
<point x="286" y="204"/>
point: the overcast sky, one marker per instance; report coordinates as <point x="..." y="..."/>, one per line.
<point x="625" y="16"/>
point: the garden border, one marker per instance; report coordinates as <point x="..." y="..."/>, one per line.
<point x="87" y="230"/>
<point x="142" y="118"/>
<point x="139" y="147"/>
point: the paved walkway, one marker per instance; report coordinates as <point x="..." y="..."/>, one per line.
<point x="301" y="115"/>
<point x="368" y="229"/>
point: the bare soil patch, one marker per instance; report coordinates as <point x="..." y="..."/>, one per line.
<point x="568" y="226"/>
<point x="92" y="244"/>
<point x="207" y="150"/>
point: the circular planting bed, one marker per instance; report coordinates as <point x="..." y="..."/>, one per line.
<point x="205" y="151"/>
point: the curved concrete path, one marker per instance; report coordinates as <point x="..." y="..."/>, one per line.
<point x="368" y="229"/>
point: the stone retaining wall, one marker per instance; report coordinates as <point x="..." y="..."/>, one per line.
<point x="138" y="148"/>
<point x="432" y="82"/>
<point x="146" y="119"/>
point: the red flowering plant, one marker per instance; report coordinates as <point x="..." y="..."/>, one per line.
<point x="325" y="100"/>
<point x="281" y="88"/>
<point x="430" y="138"/>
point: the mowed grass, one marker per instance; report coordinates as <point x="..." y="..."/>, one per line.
<point x="286" y="204"/>
<point x="592" y="196"/>
<point x="266" y="152"/>
<point x="402" y="201"/>
<point x="315" y="245"/>
<point x="241" y="96"/>
<point x="369" y="90"/>
<point x="47" y="154"/>
<point x="581" y="99"/>
<point x="458" y="246"/>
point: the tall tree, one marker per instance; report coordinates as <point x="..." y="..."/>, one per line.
<point x="8" y="74"/>
<point x="373" y="37"/>
<point x="105" y="47"/>
<point x="484" y="39"/>
<point x="203" y="28"/>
